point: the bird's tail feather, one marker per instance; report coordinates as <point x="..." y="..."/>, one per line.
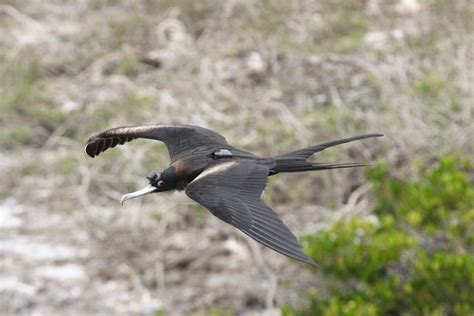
<point x="299" y="165"/>
<point x="308" y="151"/>
<point x="296" y="161"/>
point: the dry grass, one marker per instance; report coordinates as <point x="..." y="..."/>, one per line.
<point x="270" y="75"/>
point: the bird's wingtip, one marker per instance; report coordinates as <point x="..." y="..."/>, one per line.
<point x="312" y="263"/>
<point x="87" y="151"/>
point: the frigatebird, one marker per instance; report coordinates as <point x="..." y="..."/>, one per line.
<point x="226" y="180"/>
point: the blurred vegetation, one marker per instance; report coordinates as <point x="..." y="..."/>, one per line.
<point x="16" y="107"/>
<point x="414" y="256"/>
<point x="271" y="76"/>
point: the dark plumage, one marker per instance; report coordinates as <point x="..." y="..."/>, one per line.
<point x="226" y="180"/>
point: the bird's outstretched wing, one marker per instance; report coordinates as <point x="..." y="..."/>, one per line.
<point x="177" y="138"/>
<point x="231" y="191"/>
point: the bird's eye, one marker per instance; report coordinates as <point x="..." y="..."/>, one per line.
<point x="160" y="183"/>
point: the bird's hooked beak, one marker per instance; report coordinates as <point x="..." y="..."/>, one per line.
<point x="153" y="177"/>
<point x="146" y="190"/>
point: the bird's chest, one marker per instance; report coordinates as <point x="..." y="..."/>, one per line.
<point x="189" y="168"/>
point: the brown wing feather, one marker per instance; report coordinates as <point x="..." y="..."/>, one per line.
<point x="231" y="191"/>
<point x="177" y="138"/>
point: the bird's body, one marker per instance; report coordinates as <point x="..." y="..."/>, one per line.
<point x="226" y="180"/>
<point x="189" y="167"/>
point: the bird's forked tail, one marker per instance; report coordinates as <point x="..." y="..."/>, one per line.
<point x="296" y="161"/>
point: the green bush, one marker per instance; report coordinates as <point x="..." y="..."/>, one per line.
<point x="414" y="256"/>
<point x="441" y="203"/>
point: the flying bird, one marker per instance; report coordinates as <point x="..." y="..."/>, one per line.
<point x="226" y="180"/>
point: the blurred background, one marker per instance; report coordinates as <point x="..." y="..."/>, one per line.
<point x="271" y="76"/>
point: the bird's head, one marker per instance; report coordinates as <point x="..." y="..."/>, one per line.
<point x="157" y="182"/>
